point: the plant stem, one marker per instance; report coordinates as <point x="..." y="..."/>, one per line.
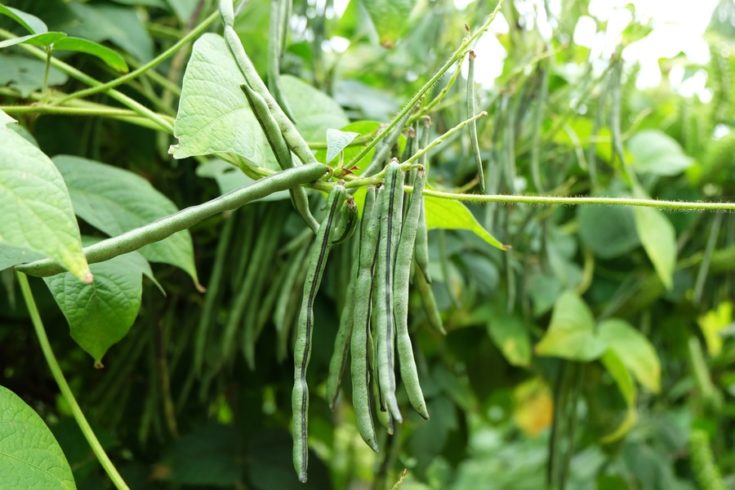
<point x="186" y="218"/>
<point x="66" y="392"/>
<point x="148" y="66"/>
<point x="84" y="78"/>
<point x="111" y="112"/>
<point x="456" y="56"/>
<point x="441" y="139"/>
<point x="574" y="201"/>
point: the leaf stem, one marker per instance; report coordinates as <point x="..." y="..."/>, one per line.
<point x="66" y="392"/>
<point x="109" y="112"/>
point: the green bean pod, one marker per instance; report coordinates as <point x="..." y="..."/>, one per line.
<point x="391" y="210"/>
<point x="286" y="303"/>
<point x="280" y="149"/>
<point x="360" y="341"/>
<point x="471" y="110"/>
<point x="292" y="136"/>
<point x="317" y="260"/>
<point x="342" y="339"/>
<point x="404" y="254"/>
<point x="433" y="317"/>
<point x="346" y="224"/>
<point x="421" y="247"/>
<point x="277" y="35"/>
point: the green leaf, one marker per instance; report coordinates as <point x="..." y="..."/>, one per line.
<point x="214" y="116"/>
<point x="389" y="17"/>
<point x="41" y="39"/>
<point x="31" y="23"/>
<point x="26" y="74"/>
<point x="571" y="334"/>
<point x="511" y="335"/>
<point x="114" y="201"/>
<point x="30" y="456"/>
<point x="634" y="350"/>
<point x="654" y="152"/>
<point x="608" y="231"/>
<point x="100" y="314"/>
<point x="120" y="25"/>
<point x="621" y="376"/>
<point x="112" y="58"/>
<point x="33" y="193"/>
<point x="337" y="141"/>
<point x="313" y="111"/>
<point x="714" y="324"/>
<point x="449" y="214"/>
<point x="206" y="456"/>
<point x="659" y="241"/>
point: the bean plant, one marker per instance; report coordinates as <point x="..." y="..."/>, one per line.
<point x="524" y="283"/>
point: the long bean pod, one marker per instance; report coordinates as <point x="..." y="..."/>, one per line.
<point x="360" y="341"/>
<point x="344" y="332"/>
<point x="280" y="150"/>
<point x="471" y="109"/>
<point x="302" y="346"/>
<point x="407" y="364"/>
<point x="421" y="248"/>
<point x="277" y="35"/>
<point x="433" y="317"/>
<point x="292" y="136"/>
<point x="390" y="223"/>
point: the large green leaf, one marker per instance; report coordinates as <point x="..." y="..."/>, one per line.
<point x="608" y="231"/>
<point x="214" y="116"/>
<point x="453" y="215"/>
<point x="30" y="457"/>
<point x="114" y="200"/>
<point x="389" y="17"/>
<point x="59" y="41"/>
<point x="571" y="334"/>
<point x="659" y="241"/>
<point x="314" y="112"/>
<point x="634" y="351"/>
<point x="100" y="314"/>
<point x="38" y="214"/>
<point x="655" y="152"/>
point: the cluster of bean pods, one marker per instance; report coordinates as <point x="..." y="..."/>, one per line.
<point x="373" y="328"/>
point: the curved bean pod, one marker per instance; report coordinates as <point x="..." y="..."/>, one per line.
<point x="280" y="150"/>
<point x="360" y="341"/>
<point x="391" y="209"/>
<point x="317" y="260"/>
<point x="404" y="254"/>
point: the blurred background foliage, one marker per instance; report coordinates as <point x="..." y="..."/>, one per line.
<point x="518" y="395"/>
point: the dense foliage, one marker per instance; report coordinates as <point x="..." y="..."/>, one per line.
<point x="585" y="346"/>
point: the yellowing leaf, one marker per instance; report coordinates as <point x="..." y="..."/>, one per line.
<point x="712" y="324"/>
<point x="533" y="407"/>
<point x="449" y="214"/>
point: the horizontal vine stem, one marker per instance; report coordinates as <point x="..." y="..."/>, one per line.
<point x="64" y="388"/>
<point x="575" y="201"/>
<point x="186" y="218"/>
<point x="110" y="113"/>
